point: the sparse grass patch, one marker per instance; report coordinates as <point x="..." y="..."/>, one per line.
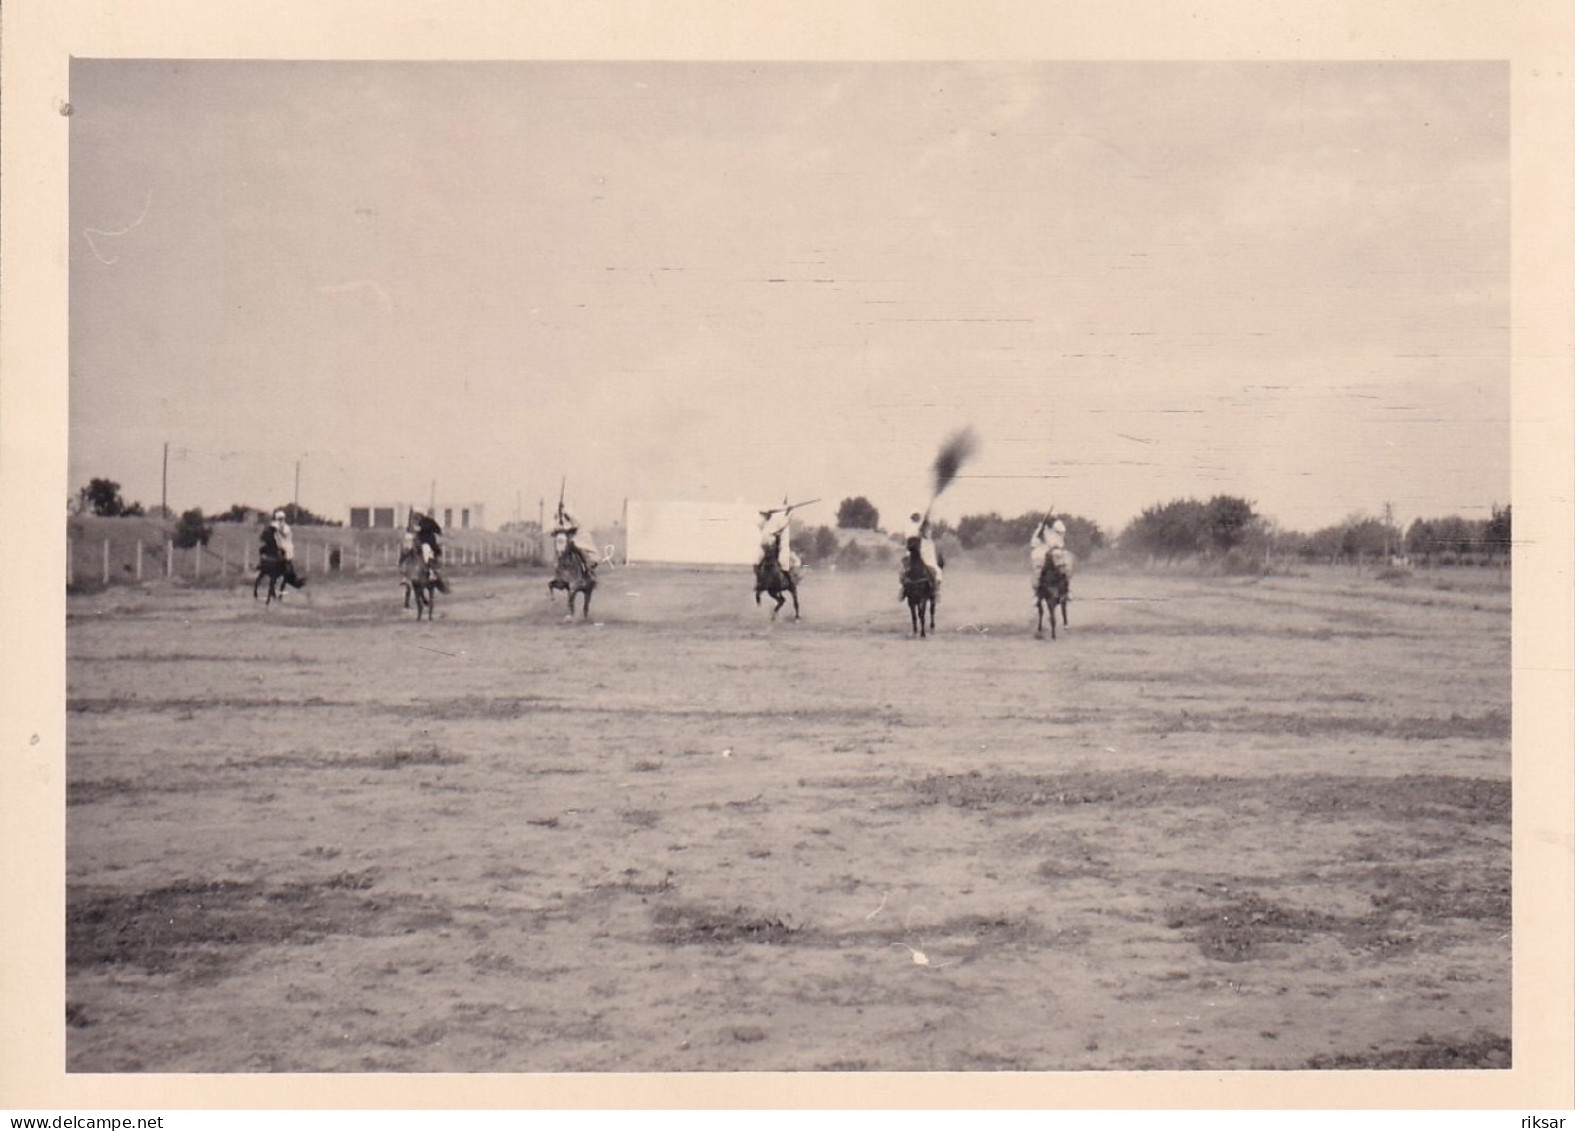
<point x="1475" y="800"/>
<point x="1248" y="926"/>
<point x="197" y="928"/>
<point x="1483" y="1050"/>
<point x="689" y="924"/>
<point x="1491" y="725"/>
<point x="398" y="758"/>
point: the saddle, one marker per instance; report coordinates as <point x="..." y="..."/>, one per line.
<point x="573" y="563"/>
<point x="1051" y="572"/>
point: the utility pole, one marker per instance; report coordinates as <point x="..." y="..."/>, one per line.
<point x="164" y="485"/>
<point x="1389" y="527"/>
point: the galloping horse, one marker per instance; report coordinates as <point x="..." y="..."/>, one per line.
<point x="419" y="582"/>
<point x="280" y="573"/>
<point x="918" y="589"/>
<point x="573" y="576"/>
<point x="1050" y="590"/>
<point x="771" y="578"/>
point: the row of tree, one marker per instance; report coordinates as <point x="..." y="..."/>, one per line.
<point x="981" y="531"/>
<point x="102" y="497"/>
<point x="1188" y="528"/>
<point x="1228" y="527"/>
<point x="1427" y="540"/>
<point x="1224" y="526"/>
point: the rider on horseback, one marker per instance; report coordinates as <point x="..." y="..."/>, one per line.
<point x="563" y="541"/>
<point x="421" y="536"/>
<point x="278" y="544"/>
<point x="918" y="530"/>
<point x="775" y="542"/>
<point x="1049" y="541"/>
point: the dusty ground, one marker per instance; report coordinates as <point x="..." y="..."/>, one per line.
<point x="1219" y="824"/>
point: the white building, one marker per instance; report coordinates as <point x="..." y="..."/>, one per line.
<point x="452" y="517"/>
<point x="685" y="533"/>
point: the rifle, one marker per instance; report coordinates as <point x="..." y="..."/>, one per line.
<point x="788" y="508"/>
<point x="562" y="484"/>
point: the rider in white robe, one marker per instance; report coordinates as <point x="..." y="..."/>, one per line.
<point x="1050" y="541"/>
<point x="776" y="532"/>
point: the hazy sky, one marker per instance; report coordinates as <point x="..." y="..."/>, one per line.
<point x="1136" y="281"/>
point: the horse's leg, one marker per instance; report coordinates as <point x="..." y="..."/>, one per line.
<point x="794" y="592"/>
<point x="585" y="605"/>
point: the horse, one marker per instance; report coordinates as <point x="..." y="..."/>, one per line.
<point x="573" y="576"/>
<point x="419" y="583"/>
<point x="280" y="573"/>
<point x="918" y="589"/>
<point x="771" y="578"/>
<point x="1051" y="589"/>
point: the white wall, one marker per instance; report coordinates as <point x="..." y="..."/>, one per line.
<point x="693" y="533"/>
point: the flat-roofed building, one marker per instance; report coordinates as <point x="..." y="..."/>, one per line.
<point x="452" y="517"/>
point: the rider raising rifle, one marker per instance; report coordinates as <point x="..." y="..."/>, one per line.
<point x="563" y="538"/>
<point x="776" y="537"/>
<point x="1049" y="541"/>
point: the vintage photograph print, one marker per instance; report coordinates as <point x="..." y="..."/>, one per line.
<point x="845" y="567"/>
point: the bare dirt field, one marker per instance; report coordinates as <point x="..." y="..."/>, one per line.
<point x="1218" y="824"/>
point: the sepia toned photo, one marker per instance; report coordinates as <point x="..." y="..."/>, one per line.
<point x="835" y="567"/>
<point x="783" y="557"/>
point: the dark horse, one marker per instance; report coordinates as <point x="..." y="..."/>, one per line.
<point x="280" y="572"/>
<point x="771" y="578"/>
<point x="1050" y="590"/>
<point x="918" y="589"/>
<point x="573" y="576"/>
<point x="420" y="582"/>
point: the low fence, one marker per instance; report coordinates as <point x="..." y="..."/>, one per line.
<point x="97" y="559"/>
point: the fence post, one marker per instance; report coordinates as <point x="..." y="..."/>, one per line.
<point x="196" y="560"/>
<point x="106" y="561"/>
<point x="169" y="558"/>
<point x="139" y="559"/>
